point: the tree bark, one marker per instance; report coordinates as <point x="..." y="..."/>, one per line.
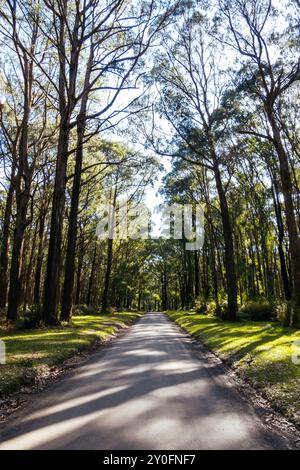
<point x="280" y="227"/>
<point x="196" y="274"/>
<point x="287" y="189"/>
<point x="79" y="271"/>
<point x="40" y="255"/>
<point x="4" y="254"/>
<point x="67" y="299"/>
<point x="91" y="281"/>
<point x="51" y="293"/>
<point x="229" y="250"/>
<point x="23" y="182"/>
<point x="52" y="287"/>
<point x="107" y="275"/>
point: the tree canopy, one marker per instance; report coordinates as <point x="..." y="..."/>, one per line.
<point x="103" y="100"/>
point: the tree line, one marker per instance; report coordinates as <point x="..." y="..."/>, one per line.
<point x="228" y="79"/>
<point x="65" y="68"/>
<point x="214" y="87"/>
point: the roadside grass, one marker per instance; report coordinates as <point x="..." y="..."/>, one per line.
<point x="32" y="353"/>
<point x="261" y="353"/>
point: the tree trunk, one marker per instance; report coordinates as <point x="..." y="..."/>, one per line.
<point x="67" y="299"/>
<point x="22" y="198"/>
<point x="79" y="271"/>
<point x="66" y="106"/>
<point x="40" y="255"/>
<point x="196" y="274"/>
<point x="287" y="189"/>
<point x="28" y="273"/>
<point x="229" y="251"/>
<point x="91" y="281"/>
<point x="104" y="301"/>
<point x="23" y="186"/>
<point x="5" y="242"/>
<point x="51" y="293"/>
<point x="283" y="267"/>
<point x="107" y="275"/>
<point x="14" y="293"/>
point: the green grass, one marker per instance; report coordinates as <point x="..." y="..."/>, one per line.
<point x="31" y="353"/>
<point x="261" y="352"/>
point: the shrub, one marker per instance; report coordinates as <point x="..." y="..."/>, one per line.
<point x="84" y="310"/>
<point x="288" y="313"/>
<point x="283" y="313"/>
<point x="258" y="310"/>
<point x="110" y="310"/>
<point x="214" y="310"/>
<point x="211" y="308"/>
<point x="33" y="318"/>
<point x="201" y="307"/>
<point x="221" y="310"/>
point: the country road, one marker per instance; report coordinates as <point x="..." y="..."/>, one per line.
<point x="148" y="389"/>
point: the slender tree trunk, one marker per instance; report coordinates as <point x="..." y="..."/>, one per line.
<point x="67" y="299"/>
<point x="214" y="272"/>
<point x="229" y="251"/>
<point x="15" y="287"/>
<point x="5" y="242"/>
<point x="91" y="281"/>
<point x="280" y="227"/>
<point x="66" y="106"/>
<point x="28" y="274"/>
<point x="164" y="288"/>
<point x="23" y="186"/>
<point x="51" y="293"/>
<point x="206" y="288"/>
<point x="287" y="189"/>
<point x="22" y="198"/>
<point x="40" y="256"/>
<point x="104" y="301"/>
<point x="107" y="275"/>
<point x="79" y="271"/>
<point x="139" y="298"/>
<point x="196" y="273"/>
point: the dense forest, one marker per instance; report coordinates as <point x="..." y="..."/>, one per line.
<point x="95" y="97"/>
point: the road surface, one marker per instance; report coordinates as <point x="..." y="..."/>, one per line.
<point x="149" y="389"/>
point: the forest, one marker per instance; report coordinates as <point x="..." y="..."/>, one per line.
<point x="195" y="100"/>
<point x="232" y="132"/>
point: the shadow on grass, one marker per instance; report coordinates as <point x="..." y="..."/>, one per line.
<point x="29" y="350"/>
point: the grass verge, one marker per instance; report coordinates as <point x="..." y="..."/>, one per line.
<point x="32" y="353"/>
<point x="261" y="353"/>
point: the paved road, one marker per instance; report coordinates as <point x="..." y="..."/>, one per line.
<point x="147" y="390"/>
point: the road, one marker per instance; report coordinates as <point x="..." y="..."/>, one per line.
<point x="148" y="389"/>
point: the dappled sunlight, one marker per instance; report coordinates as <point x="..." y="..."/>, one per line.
<point x="145" y="390"/>
<point x="260" y="351"/>
<point x="68" y="404"/>
<point x="237" y="338"/>
<point x="46" y="347"/>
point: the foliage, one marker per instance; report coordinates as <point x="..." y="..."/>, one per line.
<point x="258" y="310"/>
<point x="83" y="310"/>
<point x="33" y="318"/>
